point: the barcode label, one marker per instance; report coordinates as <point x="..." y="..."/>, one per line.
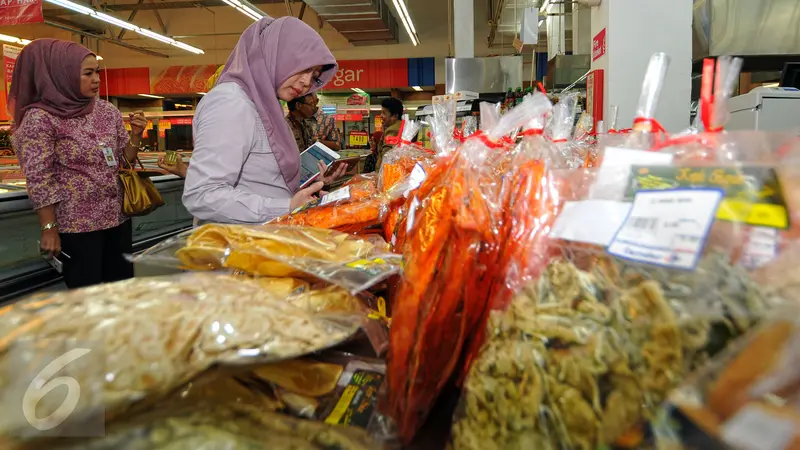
<point x="667" y="227"/>
<point x="340" y="194"/>
<point x="644" y="223"/>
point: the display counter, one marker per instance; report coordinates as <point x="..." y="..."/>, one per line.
<point x="22" y="269"/>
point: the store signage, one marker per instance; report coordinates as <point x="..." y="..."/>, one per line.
<point x="599" y="45"/>
<point x="348" y="117"/>
<point x="358" y="99"/>
<point x="17" y="12"/>
<point x="359" y="139"/>
<point x="183" y="79"/>
<point x="372" y="73"/>
<point x="10" y="54"/>
<point x="179" y="121"/>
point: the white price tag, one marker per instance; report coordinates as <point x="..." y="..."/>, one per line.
<point x="667" y="228"/>
<point x="614" y="170"/>
<point x="416" y="178"/>
<point x="339" y="194"/>
<point x="108" y="155"/>
<point x="761" y="247"/>
<point x="607" y="216"/>
<point x="755" y="429"/>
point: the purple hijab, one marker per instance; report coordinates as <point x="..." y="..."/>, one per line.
<point x="47" y="76"/>
<point x="267" y="54"/>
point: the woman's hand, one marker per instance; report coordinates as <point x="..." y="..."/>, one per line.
<point x="304" y="196"/>
<point x="138" y="123"/>
<point x="50" y="243"/>
<point x="178" y="169"/>
<point x="328" y="179"/>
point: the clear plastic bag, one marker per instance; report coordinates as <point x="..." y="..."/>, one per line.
<point x="588" y="348"/>
<point x="352" y="262"/>
<point x="746" y="398"/>
<point x="450" y="250"/>
<point x="219" y="412"/>
<point x="146" y="336"/>
<point x="349" y="209"/>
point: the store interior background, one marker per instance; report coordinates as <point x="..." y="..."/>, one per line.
<point x="568" y="33"/>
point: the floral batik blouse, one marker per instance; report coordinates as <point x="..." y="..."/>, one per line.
<point x="73" y="163"/>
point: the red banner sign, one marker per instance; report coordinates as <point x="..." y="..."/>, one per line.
<point x="183" y="79"/>
<point x="17" y="12"/>
<point x="372" y="73"/>
<point x="179" y="121"/>
<point x="348" y="117"/>
<point x="599" y="45"/>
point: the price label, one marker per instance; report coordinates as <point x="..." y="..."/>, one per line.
<point x="667" y="228"/>
<point x="359" y="139"/>
<point x="339" y="194"/>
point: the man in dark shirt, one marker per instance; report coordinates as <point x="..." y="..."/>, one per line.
<point x="300" y="110"/>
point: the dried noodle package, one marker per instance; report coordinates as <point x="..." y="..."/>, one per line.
<point x="352" y="262"/>
<point x="451" y="247"/>
<point x="145" y="336"/>
<point x="628" y="305"/>
<point x="216" y="414"/>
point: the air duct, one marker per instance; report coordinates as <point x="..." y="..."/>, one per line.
<point x="362" y="22"/>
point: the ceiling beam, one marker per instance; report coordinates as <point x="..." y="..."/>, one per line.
<point x="101" y="37"/>
<point x="130" y="19"/>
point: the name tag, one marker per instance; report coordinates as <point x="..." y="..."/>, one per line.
<point x="108" y="154"/>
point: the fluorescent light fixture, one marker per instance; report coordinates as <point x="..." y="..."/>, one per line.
<point x="123" y="24"/>
<point x="201" y="93"/>
<point x="245" y="8"/>
<point x="408" y="24"/>
<point x="416" y="88"/>
<point x="359" y="91"/>
<point x="150" y="96"/>
<point x="544" y="6"/>
<point x="771" y="85"/>
<point x="541" y="21"/>
<point x="14" y="40"/>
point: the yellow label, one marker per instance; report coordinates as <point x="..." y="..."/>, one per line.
<point x="342" y="405"/>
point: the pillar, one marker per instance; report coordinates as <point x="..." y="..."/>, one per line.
<point x="634" y="30"/>
<point x="464" y="28"/>
<point x="556" y="23"/>
<point x="581" y="30"/>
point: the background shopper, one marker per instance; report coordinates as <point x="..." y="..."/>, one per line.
<point x="245" y="166"/>
<point x="391" y="115"/>
<point x="300" y="120"/>
<point x="70" y="146"/>
<point x="324" y="126"/>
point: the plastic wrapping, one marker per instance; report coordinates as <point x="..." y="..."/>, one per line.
<point x="588" y="348"/>
<point x="352" y="262"/>
<point x="647" y="130"/>
<point x="145" y="336"/>
<point x="349" y="209"/>
<point x="747" y="398"/>
<point x="450" y="250"/>
<point x="218" y="413"/>
<point x="337" y="388"/>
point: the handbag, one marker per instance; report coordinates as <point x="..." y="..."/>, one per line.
<point x="140" y="196"/>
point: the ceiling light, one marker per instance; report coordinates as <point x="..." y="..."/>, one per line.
<point x="359" y="91"/>
<point x="541" y="21"/>
<point x="408" y="24"/>
<point x="14" y="40"/>
<point x="246" y="8"/>
<point x="123" y="24"/>
<point x="149" y="96"/>
<point x="201" y="93"/>
<point x="544" y="6"/>
<point x="416" y="88"/>
<point x="99" y="58"/>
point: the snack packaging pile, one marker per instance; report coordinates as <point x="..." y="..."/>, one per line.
<point x="747" y="398"/>
<point x="143" y="337"/>
<point x="355" y="263"/>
